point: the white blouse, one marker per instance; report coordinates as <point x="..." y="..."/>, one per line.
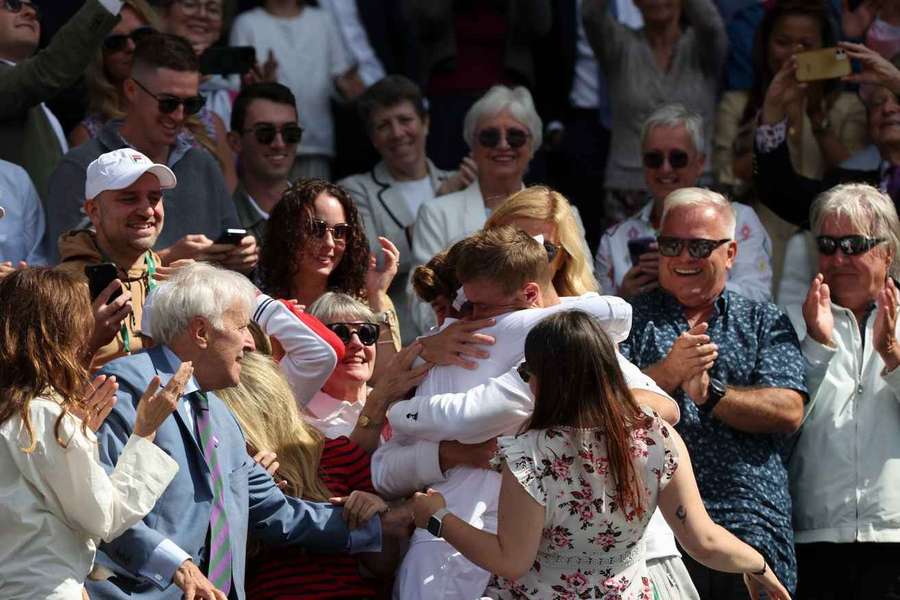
<point x="56" y="502"/>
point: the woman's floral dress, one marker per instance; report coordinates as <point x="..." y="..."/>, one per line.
<point x="591" y="547"/>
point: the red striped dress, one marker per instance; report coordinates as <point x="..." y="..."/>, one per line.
<point x="290" y="573"/>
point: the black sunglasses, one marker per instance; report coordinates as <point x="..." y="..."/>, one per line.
<point x="319" y="228"/>
<point x="490" y="137"/>
<point x="15" y="6"/>
<point x="552" y="250"/>
<point x="678" y="159"/>
<point x="265" y="133"/>
<point x="119" y="41"/>
<point x="850" y="245"/>
<point x="169" y="104"/>
<point x="697" y="247"/>
<point x="523" y="371"/>
<point x="366" y="332"/>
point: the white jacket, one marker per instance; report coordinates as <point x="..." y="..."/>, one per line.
<point x="845" y="466"/>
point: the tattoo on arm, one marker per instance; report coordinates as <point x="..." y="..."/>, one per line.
<point x="681" y="513"/>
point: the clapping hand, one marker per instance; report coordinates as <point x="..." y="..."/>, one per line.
<point x="463" y="178"/>
<point x="99" y="399"/>
<point x="691" y="355"/>
<point x="379" y="280"/>
<point x="155" y="407"/>
<point x="885" y="333"/>
<point x="817" y="311"/>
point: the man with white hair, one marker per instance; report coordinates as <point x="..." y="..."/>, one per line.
<point x="196" y="535"/>
<point x="735" y="368"/>
<point x="850" y="438"/>
<point x="674" y="153"/>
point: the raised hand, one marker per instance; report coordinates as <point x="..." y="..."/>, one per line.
<point x="885" y="333"/>
<point x="99" y="399"/>
<point x="783" y="91"/>
<point x="463" y="178"/>
<point x="399" y="376"/>
<point x="108" y="317"/>
<point x="379" y="280"/>
<point x="155" y="407"/>
<point x="876" y="69"/>
<point x="817" y="311"/>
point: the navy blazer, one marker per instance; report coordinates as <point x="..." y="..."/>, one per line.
<point x="254" y="506"/>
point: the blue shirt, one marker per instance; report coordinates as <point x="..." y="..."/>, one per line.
<point x="741" y="476"/>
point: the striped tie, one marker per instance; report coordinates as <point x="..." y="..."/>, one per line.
<point x="219" y="573"/>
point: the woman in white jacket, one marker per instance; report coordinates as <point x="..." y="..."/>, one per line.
<point x="57" y="500"/>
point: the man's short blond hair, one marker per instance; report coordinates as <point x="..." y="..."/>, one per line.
<point x="692" y="196"/>
<point x="505" y="255"/>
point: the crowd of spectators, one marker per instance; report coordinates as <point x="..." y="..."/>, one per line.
<point x="449" y="299"/>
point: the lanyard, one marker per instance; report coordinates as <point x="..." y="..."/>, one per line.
<point x="151" y="285"/>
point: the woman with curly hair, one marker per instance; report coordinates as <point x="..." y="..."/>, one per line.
<point x="538" y="210"/>
<point x="58" y="500"/>
<point x="315" y="243"/>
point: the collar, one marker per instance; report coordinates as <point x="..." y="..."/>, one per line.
<point x="325" y="406"/>
<point x="671" y="306"/>
<point x="259" y="214"/>
<point x="172" y="360"/>
<point x="383" y="178"/>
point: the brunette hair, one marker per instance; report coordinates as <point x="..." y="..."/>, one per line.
<point x="575" y="275"/>
<point x="437" y="277"/>
<point x="386" y="93"/>
<point x="288" y="232"/>
<point x="45" y="321"/>
<point x="505" y="255"/>
<point x="587" y="391"/>
<point x="762" y="74"/>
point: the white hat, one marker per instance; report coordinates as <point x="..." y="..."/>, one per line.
<point x="120" y="168"/>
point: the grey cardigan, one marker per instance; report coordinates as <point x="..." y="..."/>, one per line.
<point x="637" y="87"/>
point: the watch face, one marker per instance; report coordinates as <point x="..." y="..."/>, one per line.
<point x="434" y="526"/>
<point x="363" y="421"/>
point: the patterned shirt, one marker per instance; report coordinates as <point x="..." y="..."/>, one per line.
<point x="741" y="476"/>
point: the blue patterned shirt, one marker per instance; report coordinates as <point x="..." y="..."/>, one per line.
<point x="741" y="476"/>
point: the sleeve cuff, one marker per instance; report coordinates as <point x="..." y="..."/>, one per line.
<point x="113" y="6"/>
<point x="428" y="462"/>
<point x="769" y="137"/>
<point x="163" y="562"/>
<point x="366" y="538"/>
<point x="816" y="354"/>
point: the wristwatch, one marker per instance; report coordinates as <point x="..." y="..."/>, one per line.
<point x="714" y="392"/>
<point x="365" y="421"/>
<point x="436" y="522"/>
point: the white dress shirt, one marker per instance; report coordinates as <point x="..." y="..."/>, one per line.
<point x="58" y="502"/>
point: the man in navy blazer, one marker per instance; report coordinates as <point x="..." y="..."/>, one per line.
<point x="202" y="315"/>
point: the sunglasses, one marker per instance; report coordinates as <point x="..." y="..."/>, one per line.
<point x="319" y="228"/>
<point x="490" y="137"/>
<point x="366" y="332"/>
<point x="678" y="159"/>
<point x="552" y="250"/>
<point x="119" y="41"/>
<point x="697" y="247"/>
<point x="169" y="104"/>
<point x="265" y="133"/>
<point x="850" y="245"/>
<point x="523" y="371"/>
<point x="16" y="6"/>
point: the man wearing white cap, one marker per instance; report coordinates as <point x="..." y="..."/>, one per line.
<point x="124" y="202"/>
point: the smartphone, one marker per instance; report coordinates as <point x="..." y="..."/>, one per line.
<point x="99" y="277"/>
<point x="232" y="237"/>
<point x="639" y="246"/>
<point x="827" y="63"/>
<point x="227" y="60"/>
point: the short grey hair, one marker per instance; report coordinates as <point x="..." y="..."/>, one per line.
<point x="692" y="196"/>
<point x="869" y="211"/>
<point x="517" y="101"/>
<point x="197" y="290"/>
<point x="334" y="307"/>
<point x="676" y="115"/>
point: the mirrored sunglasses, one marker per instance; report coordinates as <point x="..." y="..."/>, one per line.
<point x="697" y="247"/>
<point x="850" y="245"/>
<point x="490" y="137"/>
<point x="319" y="228"/>
<point x="678" y="159"/>
<point x="15" y="6"/>
<point x="265" y="133"/>
<point x="366" y="332"/>
<point x="119" y="41"/>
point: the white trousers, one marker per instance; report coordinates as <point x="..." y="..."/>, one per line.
<point x="434" y="569"/>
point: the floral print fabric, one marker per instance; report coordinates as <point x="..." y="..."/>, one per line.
<point x="590" y="546"/>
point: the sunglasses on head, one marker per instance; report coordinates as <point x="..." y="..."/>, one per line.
<point x="490" y="137"/>
<point x="366" y="332"/>
<point x="678" y="159"/>
<point x="265" y="133"/>
<point x="169" y="104"/>
<point x="15" y="6"/>
<point x="524" y="371"/>
<point x="119" y="41"/>
<point x="850" y="245"/>
<point x="319" y="228"/>
<point x="697" y="247"/>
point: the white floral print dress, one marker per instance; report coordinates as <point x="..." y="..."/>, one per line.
<point x="591" y="547"/>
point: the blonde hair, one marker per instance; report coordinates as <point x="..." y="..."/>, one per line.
<point x="504" y="255"/>
<point x="575" y="276"/>
<point x="267" y="412"/>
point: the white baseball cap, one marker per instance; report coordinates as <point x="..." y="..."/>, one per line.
<point x="120" y="168"/>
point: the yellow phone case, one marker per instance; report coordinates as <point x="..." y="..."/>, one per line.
<point x="827" y="63"/>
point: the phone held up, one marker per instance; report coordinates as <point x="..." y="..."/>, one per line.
<point x="99" y="277"/>
<point x="827" y="63"/>
<point x="639" y="246"/>
<point x="232" y="237"/>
